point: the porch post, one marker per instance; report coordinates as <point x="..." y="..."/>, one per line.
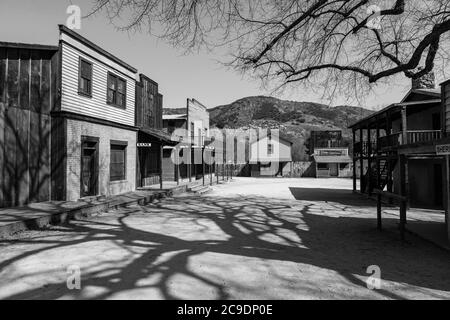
<point x="361" y="160"/>
<point x="210" y="169"/>
<point x="369" y="159"/>
<point x="203" y="165"/>
<point x="377" y="155"/>
<point x="403" y="206"/>
<point x="354" y="160"/>
<point x="161" y="151"/>
<point x="178" y="165"/>
<point x="389" y="159"/>
<point x="217" y="172"/>
<point x="404" y="126"/>
<point x="189" y="167"/>
<point x="447" y="189"/>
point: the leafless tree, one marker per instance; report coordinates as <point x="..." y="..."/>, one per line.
<point x="332" y="44"/>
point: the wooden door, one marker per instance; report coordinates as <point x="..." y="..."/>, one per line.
<point x="89" y="168"/>
<point x="334" y="169"/>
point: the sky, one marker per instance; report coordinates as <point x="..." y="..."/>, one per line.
<point x="180" y="76"/>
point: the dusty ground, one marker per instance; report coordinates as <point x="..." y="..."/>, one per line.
<point x="252" y="239"/>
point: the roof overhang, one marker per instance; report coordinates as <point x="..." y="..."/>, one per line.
<point x="158" y="135"/>
<point x="393" y="108"/>
<point x="332" y="159"/>
<point x="28" y="46"/>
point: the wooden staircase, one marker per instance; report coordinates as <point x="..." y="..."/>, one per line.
<point x="371" y="175"/>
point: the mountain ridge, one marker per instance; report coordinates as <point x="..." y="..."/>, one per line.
<point x="296" y="119"/>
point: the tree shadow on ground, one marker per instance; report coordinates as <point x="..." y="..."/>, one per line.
<point x="339" y="236"/>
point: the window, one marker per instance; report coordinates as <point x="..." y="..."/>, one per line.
<point x="270" y="149"/>
<point x="85" y="78"/>
<point x="322" y="166"/>
<point x="192" y="132"/>
<point x="118" y="161"/>
<point x="116" y="91"/>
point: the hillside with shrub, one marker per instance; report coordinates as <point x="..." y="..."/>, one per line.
<point x="294" y="119"/>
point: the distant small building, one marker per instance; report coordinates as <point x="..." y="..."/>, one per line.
<point x="330" y="156"/>
<point x="190" y="126"/>
<point x="332" y="162"/>
<point x="325" y="139"/>
<point x="270" y="156"/>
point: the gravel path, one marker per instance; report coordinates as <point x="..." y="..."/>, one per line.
<point x="251" y="239"/>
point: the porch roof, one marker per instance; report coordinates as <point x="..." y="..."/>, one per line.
<point x="332" y="159"/>
<point x="158" y="135"/>
<point x="395" y="107"/>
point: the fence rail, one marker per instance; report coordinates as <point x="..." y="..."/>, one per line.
<point x="412" y="136"/>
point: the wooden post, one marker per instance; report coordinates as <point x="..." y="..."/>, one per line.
<point x="403" y="162"/>
<point x="361" y="161"/>
<point x="178" y="166"/>
<point x="210" y="170"/>
<point x="369" y="159"/>
<point x="161" y="153"/>
<point x="447" y="188"/>
<point x="354" y="161"/>
<point x="377" y="155"/>
<point x="203" y="165"/>
<point x="190" y="164"/>
<point x="404" y="126"/>
<point x="379" y="223"/>
<point x="217" y="173"/>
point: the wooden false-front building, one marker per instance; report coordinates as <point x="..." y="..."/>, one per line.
<point x="75" y="122"/>
<point x="28" y="95"/>
<point x="395" y="149"/>
<point x="151" y="138"/>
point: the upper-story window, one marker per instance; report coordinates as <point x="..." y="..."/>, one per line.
<point x="270" y="149"/>
<point x="117" y="91"/>
<point x="85" y="78"/>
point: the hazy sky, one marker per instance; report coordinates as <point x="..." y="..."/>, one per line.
<point x="179" y="76"/>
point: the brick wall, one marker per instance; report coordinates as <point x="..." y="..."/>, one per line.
<point x="76" y="129"/>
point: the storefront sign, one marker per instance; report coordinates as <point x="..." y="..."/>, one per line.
<point x="144" y="145"/>
<point x="443" y="150"/>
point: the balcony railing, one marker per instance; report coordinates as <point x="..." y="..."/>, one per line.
<point x="423" y="136"/>
<point x="416" y="136"/>
<point x="364" y="148"/>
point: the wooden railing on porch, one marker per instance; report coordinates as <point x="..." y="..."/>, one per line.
<point x="423" y="136"/>
<point x="412" y="136"/>
<point x="364" y="148"/>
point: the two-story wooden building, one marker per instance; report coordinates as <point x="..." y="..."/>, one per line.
<point x="398" y="146"/>
<point x="151" y="138"/>
<point x="270" y="154"/>
<point x="330" y="155"/>
<point x="75" y="122"/>
<point x="189" y="127"/>
<point x="94" y="135"/>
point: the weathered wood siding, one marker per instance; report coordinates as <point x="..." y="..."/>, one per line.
<point x="96" y="106"/>
<point x="27" y="96"/>
<point x="148" y="104"/>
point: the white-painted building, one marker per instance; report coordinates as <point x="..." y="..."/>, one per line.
<point x="270" y="155"/>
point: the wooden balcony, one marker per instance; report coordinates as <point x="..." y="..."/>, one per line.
<point x="416" y="136"/>
<point x="365" y="148"/>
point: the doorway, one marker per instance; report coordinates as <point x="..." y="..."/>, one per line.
<point x="436" y="121"/>
<point x="334" y="169"/>
<point x="89" y="166"/>
<point x="438" y="185"/>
